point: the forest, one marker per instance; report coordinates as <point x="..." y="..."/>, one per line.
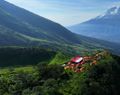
<point x="44" y="78"/>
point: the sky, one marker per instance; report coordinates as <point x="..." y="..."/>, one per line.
<point x="66" y="12"/>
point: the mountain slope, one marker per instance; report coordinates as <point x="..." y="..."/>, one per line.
<point x="25" y="23"/>
<point x="105" y="26"/>
<point x="19" y="27"/>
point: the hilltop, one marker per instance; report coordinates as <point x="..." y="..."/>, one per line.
<point x="46" y="79"/>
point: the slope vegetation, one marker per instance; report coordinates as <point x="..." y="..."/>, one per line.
<point x="25" y="27"/>
<point x="102" y="78"/>
<point x="20" y="56"/>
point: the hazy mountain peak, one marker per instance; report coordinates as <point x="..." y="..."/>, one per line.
<point x="105" y="26"/>
<point x="112" y="11"/>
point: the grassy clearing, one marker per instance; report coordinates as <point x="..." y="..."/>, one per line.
<point x="7" y="70"/>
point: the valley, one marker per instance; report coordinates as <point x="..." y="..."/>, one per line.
<point x="33" y="50"/>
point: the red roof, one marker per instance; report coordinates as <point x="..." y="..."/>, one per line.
<point x="77" y="59"/>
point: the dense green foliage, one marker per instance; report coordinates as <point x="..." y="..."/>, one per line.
<point x="43" y="79"/>
<point x="22" y="56"/>
<point x="22" y="28"/>
<point x="38" y="71"/>
<point x="13" y="56"/>
<point x="60" y="58"/>
<point x="101" y="79"/>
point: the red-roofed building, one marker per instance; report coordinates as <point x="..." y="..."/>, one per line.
<point x="77" y="60"/>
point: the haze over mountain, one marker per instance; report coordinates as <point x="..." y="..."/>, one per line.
<point x="105" y="26"/>
<point x="19" y="27"/>
<point x="37" y="57"/>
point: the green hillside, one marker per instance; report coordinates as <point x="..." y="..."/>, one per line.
<point x="60" y="58"/>
<point x="20" y="56"/>
<point x="44" y="79"/>
<point x="23" y="56"/>
<point x="19" y="27"/>
<point x="33" y="50"/>
<point x="32" y="27"/>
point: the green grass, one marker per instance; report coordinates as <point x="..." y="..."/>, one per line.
<point x="60" y="58"/>
<point x="52" y="79"/>
<point x="8" y="70"/>
<point x="25" y="69"/>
